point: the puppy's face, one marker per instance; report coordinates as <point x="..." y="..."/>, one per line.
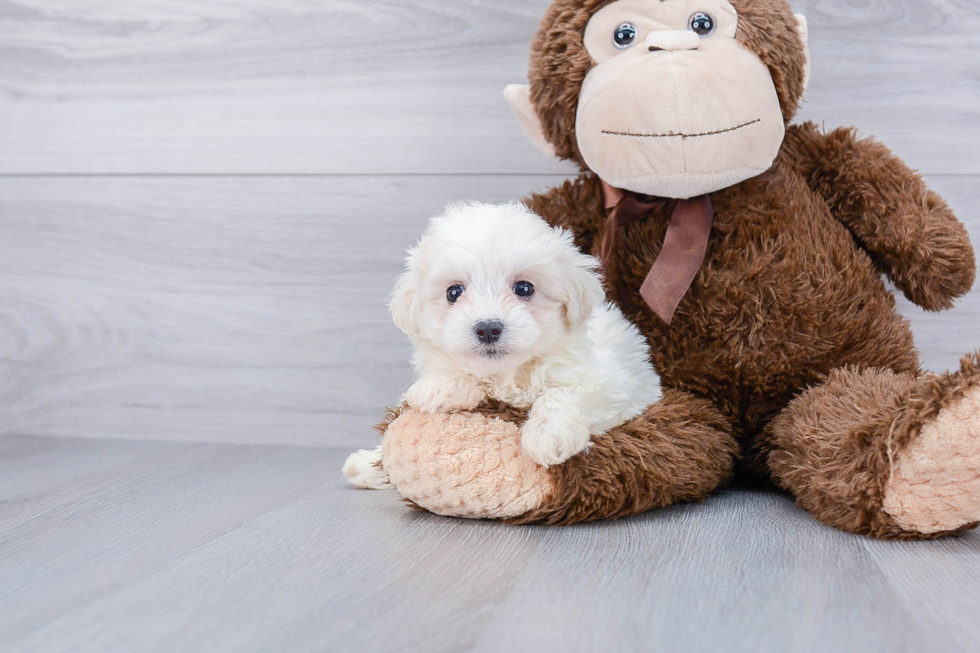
<point x="493" y="287"/>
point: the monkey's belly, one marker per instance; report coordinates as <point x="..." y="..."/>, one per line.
<point x="791" y="302"/>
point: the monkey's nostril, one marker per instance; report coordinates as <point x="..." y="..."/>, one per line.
<point x="654" y="48"/>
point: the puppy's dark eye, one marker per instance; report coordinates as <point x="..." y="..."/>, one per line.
<point x="702" y="24"/>
<point x="454" y="292"/>
<point x="624" y="35"/>
<point x="524" y="289"/>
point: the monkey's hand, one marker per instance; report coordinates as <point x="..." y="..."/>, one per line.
<point x="437" y="394"/>
<point x="928" y="256"/>
<point x="909" y="231"/>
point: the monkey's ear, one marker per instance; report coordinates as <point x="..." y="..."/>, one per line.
<point x="804" y="31"/>
<point x="519" y="98"/>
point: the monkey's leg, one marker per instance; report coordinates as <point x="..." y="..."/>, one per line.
<point x="472" y="464"/>
<point x="884" y="454"/>
<point x="680" y="449"/>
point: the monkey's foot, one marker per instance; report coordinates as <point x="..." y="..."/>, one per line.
<point x="935" y="482"/>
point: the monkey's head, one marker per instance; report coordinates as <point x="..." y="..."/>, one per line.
<point x="674" y="98"/>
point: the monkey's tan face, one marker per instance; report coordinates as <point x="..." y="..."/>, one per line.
<point x="676" y="106"/>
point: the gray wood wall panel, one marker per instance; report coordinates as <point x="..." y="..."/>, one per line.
<point x="389" y="86"/>
<point x="230" y="309"/>
<point x="246" y="548"/>
<point x="215" y="308"/>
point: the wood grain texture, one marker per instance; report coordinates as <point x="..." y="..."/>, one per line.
<point x="230" y="309"/>
<point x="215" y="309"/>
<point x="34" y="464"/>
<point x="758" y="575"/>
<point x="257" y="548"/>
<point x="394" y="86"/>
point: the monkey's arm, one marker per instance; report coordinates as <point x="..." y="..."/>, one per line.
<point x="576" y="205"/>
<point x="908" y="230"/>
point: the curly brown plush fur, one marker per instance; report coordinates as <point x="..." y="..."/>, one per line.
<point x="835" y="445"/>
<point x="559" y="61"/>
<point x="790" y="294"/>
<point x="682" y="439"/>
<point x="889" y="211"/>
<point x="679" y="450"/>
<point x="786" y="298"/>
<point x="787" y="350"/>
<point x="783" y="297"/>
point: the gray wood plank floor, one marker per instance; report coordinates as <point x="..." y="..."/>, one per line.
<point x="205" y="547"/>
<point x="203" y="206"/>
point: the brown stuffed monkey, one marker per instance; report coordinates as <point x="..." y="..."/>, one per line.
<point x="749" y="251"/>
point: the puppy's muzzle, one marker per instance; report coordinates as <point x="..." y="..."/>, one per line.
<point x="488" y="332"/>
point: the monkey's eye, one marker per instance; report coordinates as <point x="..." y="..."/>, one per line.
<point x="454" y="292"/>
<point x="702" y="24"/>
<point x="524" y="289"/>
<point x="624" y="36"/>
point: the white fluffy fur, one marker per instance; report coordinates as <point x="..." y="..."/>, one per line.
<point x="363" y="469"/>
<point x="574" y="360"/>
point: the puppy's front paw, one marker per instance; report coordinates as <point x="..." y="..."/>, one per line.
<point x="556" y="438"/>
<point x="441" y="395"/>
<point x="363" y="469"/>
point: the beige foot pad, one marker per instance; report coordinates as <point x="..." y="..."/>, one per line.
<point x="463" y="465"/>
<point x="935" y="484"/>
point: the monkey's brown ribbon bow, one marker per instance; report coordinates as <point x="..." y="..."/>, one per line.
<point x="685" y="244"/>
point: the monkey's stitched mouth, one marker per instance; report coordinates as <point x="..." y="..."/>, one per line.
<point x="673" y="134"/>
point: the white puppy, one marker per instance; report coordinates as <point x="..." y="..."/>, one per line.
<point x="499" y="304"/>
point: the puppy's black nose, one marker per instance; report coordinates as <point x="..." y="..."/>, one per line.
<point x="489" y="331"/>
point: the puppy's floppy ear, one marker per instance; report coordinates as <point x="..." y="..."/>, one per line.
<point x="404" y="304"/>
<point x="583" y="288"/>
